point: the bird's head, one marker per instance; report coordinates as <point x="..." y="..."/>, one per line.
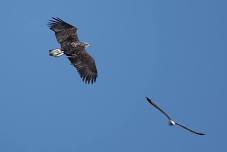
<point x="80" y="44"/>
<point x="172" y="123"/>
<point x="86" y="45"/>
<point x="83" y="44"/>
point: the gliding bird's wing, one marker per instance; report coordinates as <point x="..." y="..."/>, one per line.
<point x="198" y="133"/>
<point x="157" y="107"/>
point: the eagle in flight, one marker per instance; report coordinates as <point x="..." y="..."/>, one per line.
<point x="171" y="122"/>
<point x="74" y="49"/>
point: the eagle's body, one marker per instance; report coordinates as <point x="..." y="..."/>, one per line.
<point x="66" y="35"/>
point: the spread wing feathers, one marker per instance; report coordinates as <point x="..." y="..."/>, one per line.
<point x="64" y="32"/>
<point x="156" y="106"/>
<point x="85" y="66"/>
<point x="198" y="133"/>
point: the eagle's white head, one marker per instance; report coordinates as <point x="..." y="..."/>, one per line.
<point x="86" y="45"/>
<point x="56" y="52"/>
<point x="83" y="44"/>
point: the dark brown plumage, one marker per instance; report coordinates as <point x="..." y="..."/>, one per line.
<point x="66" y="35"/>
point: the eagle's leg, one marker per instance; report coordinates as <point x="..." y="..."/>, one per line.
<point x="56" y="52"/>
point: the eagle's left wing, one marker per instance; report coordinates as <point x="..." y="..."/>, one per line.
<point x="64" y="32"/>
<point x="85" y="66"/>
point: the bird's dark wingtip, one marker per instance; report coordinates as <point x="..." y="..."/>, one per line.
<point x="201" y="134"/>
<point x="56" y="18"/>
<point x="148" y="99"/>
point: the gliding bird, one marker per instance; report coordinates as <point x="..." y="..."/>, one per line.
<point x="171" y="122"/>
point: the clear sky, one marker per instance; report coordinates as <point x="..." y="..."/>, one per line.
<point x="174" y="52"/>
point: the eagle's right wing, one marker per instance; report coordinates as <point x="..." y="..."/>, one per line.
<point x="85" y="66"/>
<point x="64" y="32"/>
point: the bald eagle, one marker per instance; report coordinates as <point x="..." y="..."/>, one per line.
<point x="74" y="49"/>
<point x="171" y="122"/>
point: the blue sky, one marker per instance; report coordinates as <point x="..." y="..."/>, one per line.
<point x="172" y="51"/>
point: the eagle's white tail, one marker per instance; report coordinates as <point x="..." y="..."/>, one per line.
<point x="56" y="52"/>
